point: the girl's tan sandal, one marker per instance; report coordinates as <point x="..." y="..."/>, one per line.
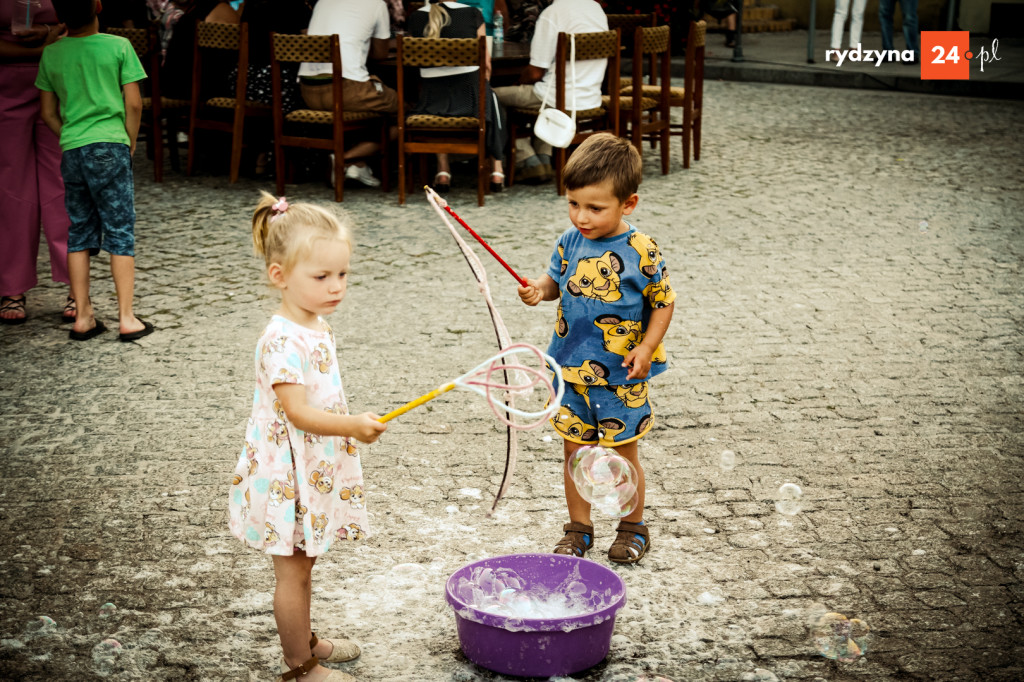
<point x="573" y="543"/>
<point x="300" y="671"/>
<point x="628" y="548"/>
<point x="344" y="649"/>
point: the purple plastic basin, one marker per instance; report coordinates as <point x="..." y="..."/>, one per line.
<point x="539" y="647"/>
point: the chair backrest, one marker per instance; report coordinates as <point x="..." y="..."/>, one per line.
<point x="217" y="36"/>
<point x="653" y="40"/>
<point x="292" y="48"/>
<point x="627" y="25"/>
<point x="427" y="52"/>
<point x="138" y="37"/>
<point x="595" y="45"/>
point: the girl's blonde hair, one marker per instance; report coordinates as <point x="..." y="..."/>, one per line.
<point x="437" y="20"/>
<point x="286" y="236"/>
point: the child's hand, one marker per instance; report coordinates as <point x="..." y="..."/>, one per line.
<point x="531" y="293"/>
<point x="639" y="362"/>
<point x="367" y="428"/>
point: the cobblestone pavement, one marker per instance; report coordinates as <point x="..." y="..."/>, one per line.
<point x="849" y="319"/>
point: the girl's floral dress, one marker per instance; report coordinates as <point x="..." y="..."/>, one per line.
<point x="295" y="490"/>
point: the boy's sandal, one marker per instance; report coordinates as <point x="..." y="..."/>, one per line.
<point x="70" y="310"/>
<point x="573" y="542"/>
<point x="628" y="548"/>
<point x="498" y="186"/>
<point x="442" y="187"/>
<point x="13" y="304"/>
<point x="344" y="649"/>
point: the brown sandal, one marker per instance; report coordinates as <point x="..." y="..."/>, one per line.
<point x="573" y="543"/>
<point x="628" y="548"/>
<point x="297" y="671"/>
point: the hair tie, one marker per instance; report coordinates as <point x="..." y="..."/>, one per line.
<point x="280" y="207"/>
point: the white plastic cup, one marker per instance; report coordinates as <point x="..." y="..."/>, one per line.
<point x="24" y="12"/>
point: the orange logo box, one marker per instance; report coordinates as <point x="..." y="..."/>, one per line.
<point x="945" y="55"/>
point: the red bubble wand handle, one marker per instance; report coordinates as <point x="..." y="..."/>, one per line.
<point x="444" y="204"/>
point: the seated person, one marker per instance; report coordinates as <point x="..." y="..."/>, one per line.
<point x="454" y="90"/>
<point x="364" y="27"/>
<point x="563" y="16"/>
<point x="176" y="74"/>
<point x="490" y="9"/>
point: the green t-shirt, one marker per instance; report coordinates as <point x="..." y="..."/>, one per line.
<point x="87" y="75"/>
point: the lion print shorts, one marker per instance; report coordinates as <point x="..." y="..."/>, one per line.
<point x="604" y="415"/>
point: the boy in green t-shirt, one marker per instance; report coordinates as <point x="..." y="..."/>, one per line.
<point x="90" y="98"/>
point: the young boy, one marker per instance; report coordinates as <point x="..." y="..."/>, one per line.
<point x="615" y="305"/>
<point x="90" y="98"/>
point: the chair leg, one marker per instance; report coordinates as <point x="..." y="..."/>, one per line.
<point x="339" y="171"/>
<point x="156" y="135"/>
<point x="664" y="149"/>
<point x="481" y="167"/>
<point x="171" y="131"/>
<point x="401" y="173"/>
<point x="191" y="150"/>
<point x="687" y="131"/>
<point x="696" y="136"/>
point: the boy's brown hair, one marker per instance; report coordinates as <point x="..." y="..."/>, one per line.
<point x="75" y="13"/>
<point x="604" y="157"/>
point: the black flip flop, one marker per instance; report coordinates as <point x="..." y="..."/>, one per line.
<point x="85" y="336"/>
<point x="146" y="330"/>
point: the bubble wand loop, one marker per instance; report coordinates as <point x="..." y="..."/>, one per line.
<point x="444" y="204"/>
<point x="479" y="381"/>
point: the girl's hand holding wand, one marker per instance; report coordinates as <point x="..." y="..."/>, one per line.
<point x="363" y="427"/>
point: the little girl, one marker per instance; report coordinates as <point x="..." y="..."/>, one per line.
<point x="298" y="485"/>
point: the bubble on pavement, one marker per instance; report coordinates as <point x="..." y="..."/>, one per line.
<point x="41" y="626"/>
<point x="760" y="675"/>
<point x="840" y="638"/>
<point x="604" y="478"/>
<point x="711" y="597"/>
<point x="108" y="610"/>
<point x="923" y="226"/>
<point x="105" y="656"/>
<point x="727" y="460"/>
<point x="734" y="634"/>
<point x="410" y="570"/>
<point x="789" y="499"/>
<point x="546" y="439"/>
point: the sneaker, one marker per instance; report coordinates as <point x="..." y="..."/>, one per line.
<point x="363" y="174"/>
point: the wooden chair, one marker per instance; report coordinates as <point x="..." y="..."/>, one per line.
<point x="230" y="42"/>
<point x="597" y="45"/>
<point x="426" y="134"/>
<point x="627" y="25"/>
<point x="646" y="110"/>
<point x="312" y="128"/>
<point x="155" y="107"/>
<point x="690" y="97"/>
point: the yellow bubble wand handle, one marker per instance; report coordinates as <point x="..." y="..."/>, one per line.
<point x="416" y="403"/>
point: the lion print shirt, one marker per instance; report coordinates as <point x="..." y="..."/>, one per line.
<point x="291" y="489"/>
<point x="607" y="289"/>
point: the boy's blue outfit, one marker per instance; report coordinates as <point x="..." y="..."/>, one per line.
<point x="607" y="289"/>
<point x="86" y="74"/>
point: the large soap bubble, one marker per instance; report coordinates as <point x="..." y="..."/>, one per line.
<point x="605" y="479"/>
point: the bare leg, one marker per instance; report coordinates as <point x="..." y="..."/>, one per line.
<point x="123" y="270"/>
<point x="579" y="509"/>
<point x="629" y="451"/>
<point x="361" y="151"/>
<point x="292" y="599"/>
<point x="78" y="269"/>
<point x="442" y="164"/>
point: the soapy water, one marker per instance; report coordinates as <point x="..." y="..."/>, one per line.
<point x="605" y="479"/>
<point x="789" y="500"/>
<point x="503" y="592"/>
<point x="840" y="638"/>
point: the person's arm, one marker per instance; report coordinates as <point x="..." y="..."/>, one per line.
<point x="49" y="111"/>
<point x="30" y="47"/>
<point x="639" y="359"/>
<point x="132" y="112"/>
<point x="531" y="74"/>
<point x="223" y="13"/>
<point x="537" y="290"/>
<point x="379" y="48"/>
<point x="363" y="427"/>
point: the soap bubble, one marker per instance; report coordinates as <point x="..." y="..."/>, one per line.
<point x="41" y="626"/>
<point x="727" y="460"/>
<point x="760" y="675"/>
<point x="606" y="479"/>
<point x="789" y="499"/>
<point x="711" y="597"/>
<point x="105" y="655"/>
<point x="923" y="226"/>
<point x="108" y="610"/>
<point x="839" y="638"/>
